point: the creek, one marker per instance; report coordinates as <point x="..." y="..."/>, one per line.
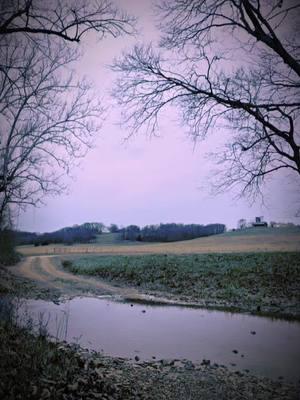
<point x="264" y="346"/>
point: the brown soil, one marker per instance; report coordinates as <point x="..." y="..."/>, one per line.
<point x="50" y="281"/>
<point x="47" y="275"/>
<point x="45" y="271"/>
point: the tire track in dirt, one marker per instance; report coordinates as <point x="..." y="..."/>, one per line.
<point x="44" y="271"/>
<point x="29" y="269"/>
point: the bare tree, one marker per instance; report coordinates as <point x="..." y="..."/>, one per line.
<point x="47" y="118"/>
<point x="47" y="121"/>
<point x="227" y="64"/>
<point x="69" y="20"/>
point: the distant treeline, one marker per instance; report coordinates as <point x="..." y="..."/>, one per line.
<point x="22" y="237"/>
<point x="84" y="233"/>
<point x="88" y="232"/>
<point x="170" y="232"/>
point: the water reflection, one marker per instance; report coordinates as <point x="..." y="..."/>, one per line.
<point x="261" y="345"/>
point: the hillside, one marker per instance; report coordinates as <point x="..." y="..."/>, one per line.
<point x="83" y="233"/>
<point x="282" y="231"/>
<point x="248" y="240"/>
<point x="109" y="239"/>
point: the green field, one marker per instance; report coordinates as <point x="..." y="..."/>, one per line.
<point x="268" y="281"/>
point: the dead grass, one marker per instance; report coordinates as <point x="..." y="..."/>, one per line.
<point x="255" y="240"/>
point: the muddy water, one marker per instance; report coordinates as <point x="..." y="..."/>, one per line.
<point x="263" y="346"/>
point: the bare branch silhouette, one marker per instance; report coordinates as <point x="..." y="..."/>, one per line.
<point x="226" y="65"/>
<point x="65" y="19"/>
<point x="48" y="120"/>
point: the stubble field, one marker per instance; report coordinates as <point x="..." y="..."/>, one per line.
<point x="250" y="240"/>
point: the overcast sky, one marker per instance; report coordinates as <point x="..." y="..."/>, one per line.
<point x="147" y="181"/>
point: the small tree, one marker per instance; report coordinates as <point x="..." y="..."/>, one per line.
<point x="242" y="223"/>
<point x="113" y="228"/>
<point x="8" y="255"/>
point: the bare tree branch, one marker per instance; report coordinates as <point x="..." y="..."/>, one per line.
<point x="47" y="121"/>
<point x="65" y="19"/>
<point x="47" y="118"/>
<point x="256" y="97"/>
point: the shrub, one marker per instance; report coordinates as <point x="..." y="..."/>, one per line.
<point x="8" y="255"/>
<point x="67" y="263"/>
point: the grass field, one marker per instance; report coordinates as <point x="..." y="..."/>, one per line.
<point x="266" y="281"/>
<point x="109" y="239"/>
<point x="248" y="240"/>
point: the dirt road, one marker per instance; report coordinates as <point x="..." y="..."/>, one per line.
<point x="51" y="281"/>
<point x="45" y="271"/>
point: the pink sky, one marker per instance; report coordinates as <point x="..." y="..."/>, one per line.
<point x="146" y="181"/>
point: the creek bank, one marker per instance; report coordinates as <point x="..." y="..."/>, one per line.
<point x="266" y="284"/>
<point x="132" y="330"/>
<point x="259" y="283"/>
<point x="18" y="286"/>
<point x="34" y="368"/>
<point x="280" y="308"/>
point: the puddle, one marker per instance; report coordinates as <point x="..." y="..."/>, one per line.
<point x="170" y="332"/>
